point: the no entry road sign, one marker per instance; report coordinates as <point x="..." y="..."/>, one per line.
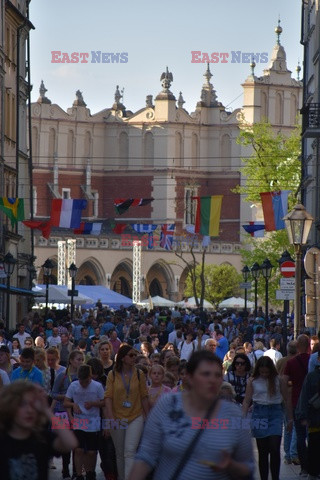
<point x="287" y="269"/>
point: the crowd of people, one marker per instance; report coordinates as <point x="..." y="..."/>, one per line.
<point x="172" y="394"/>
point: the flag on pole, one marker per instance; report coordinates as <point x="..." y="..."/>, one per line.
<point x="275" y="207"/>
<point x="88" y="228"/>
<point x="166" y="236"/>
<point x="66" y="213"/>
<point x="122" y="205"/>
<point x="13" y="208"/>
<point x="205" y="239"/>
<point x="146" y="228"/>
<point x="256" y="229"/>
<point x="208" y="215"/>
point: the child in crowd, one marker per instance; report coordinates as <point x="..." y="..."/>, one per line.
<point x="16" y="348"/>
<point x="172" y="366"/>
<point x="156" y="389"/>
<point x="169" y="380"/>
<point x="183" y="384"/>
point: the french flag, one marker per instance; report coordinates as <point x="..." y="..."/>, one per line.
<point x="256" y="229"/>
<point x="275" y="207"/>
<point x="66" y="213"/>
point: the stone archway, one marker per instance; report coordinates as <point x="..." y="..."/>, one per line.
<point x="160" y="278"/>
<point x="91" y="273"/>
<point x="182" y="283"/>
<point x="121" y="278"/>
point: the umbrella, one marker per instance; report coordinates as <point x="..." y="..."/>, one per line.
<point x="59" y="294"/>
<point x="191" y="303"/>
<point x="235" y="302"/>
<point x="158" y="302"/>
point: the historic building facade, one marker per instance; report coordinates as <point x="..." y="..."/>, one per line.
<point x="15" y="164"/>
<point x="160" y="151"/>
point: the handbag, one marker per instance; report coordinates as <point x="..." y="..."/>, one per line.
<point x="192" y="444"/>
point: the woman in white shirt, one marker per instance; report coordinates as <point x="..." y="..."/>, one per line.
<point x="266" y="389"/>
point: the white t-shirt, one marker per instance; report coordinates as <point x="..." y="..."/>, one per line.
<point x="88" y="420"/>
<point x="22" y="338"/>
<point x="273" y="354"/>
<point x="54" y="341"/>
<point x="186" y="350"/>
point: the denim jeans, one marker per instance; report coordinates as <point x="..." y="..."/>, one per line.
<point x="290" y="442"/>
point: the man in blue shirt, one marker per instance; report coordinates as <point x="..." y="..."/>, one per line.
<point x="27" y="370"/>
<point x="223" y="344"/>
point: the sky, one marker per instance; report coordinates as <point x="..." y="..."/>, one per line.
<point x="154" y="35"/>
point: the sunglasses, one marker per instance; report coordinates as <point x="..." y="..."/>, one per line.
<point x="239" y="363"/>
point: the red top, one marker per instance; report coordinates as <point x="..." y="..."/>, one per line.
<point x="297" y="369"/>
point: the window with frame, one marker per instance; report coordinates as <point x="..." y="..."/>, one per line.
<point x="66" y="193"/>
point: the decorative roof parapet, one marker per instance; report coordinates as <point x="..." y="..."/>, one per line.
<point x="42" y="91"/>
<point x="79" y="102"/>
<point x="166" y="80"/>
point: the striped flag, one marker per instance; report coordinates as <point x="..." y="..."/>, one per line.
<point x="146" y="228"/>
<point x="208" y="215"/>
<point x="122" y="205"/>
<point x="67" y="213"/>
<point x="275" y="207"/>
<point x="88" y="228"/>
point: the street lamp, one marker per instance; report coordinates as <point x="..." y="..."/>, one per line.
<point x="285" y="257"/>
<point x="73" y="273"/>
<point x="298" y="224"/>
<point x="245" y="273"/>
<point x="266" y="269"/>
<point x="47" y="270"/>
<point x="9" y="263"/>
<point x="255" y="272"/>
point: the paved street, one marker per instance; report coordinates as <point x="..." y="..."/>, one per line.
<point x="288" y="472"/>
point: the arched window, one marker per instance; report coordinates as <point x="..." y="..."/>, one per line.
<point x="178" y="156"/>
<point x="264" y="107"/>
<point x="293" y="109"/>
<point x="225" y="151"/>
<point x="123" y="150"/>
<point x="155" y="288"/>
<point x="148" y="150"/>
<point x="279" y="109"/>
<point x="35" y="146"/>
<point x="70" y="149"/>
<point x="194" y="151"/>
<point x="52" y="143"/>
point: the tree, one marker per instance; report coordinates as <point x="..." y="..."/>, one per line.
<point x="274" y="165"/>
<point x="220" y="282"/>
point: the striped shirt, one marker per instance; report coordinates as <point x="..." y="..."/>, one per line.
<point x="168" y="433"/>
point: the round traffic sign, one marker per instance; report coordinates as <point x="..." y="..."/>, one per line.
<point x="287" y="269"/>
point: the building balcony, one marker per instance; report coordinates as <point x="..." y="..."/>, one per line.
<point x="311" y="120"/>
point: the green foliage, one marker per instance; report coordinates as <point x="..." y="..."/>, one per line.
<point x="221" y="281"/>
<point x="274" y="163"/>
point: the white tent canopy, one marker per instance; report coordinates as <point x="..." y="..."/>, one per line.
<point x="191" y="303"/>
<point x="235" y="302"/>
<point x="158" y="302"/>
<point x="59" y="294"/>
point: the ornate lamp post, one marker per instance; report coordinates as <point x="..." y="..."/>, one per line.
<point x="47" y="270"/>
<point x="266" y="269"/>
<point x="298" y="224"/>
<point x="73" y="273"/>
<point x="255" y="272"/>
<point x="9" y="263"/>
<point x="245" y="273"/>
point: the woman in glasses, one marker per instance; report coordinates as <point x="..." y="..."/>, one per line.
<point x="239" y="375"/>
<point x="126" y="403"/>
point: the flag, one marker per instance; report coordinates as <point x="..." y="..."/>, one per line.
<point x="205" y="239"/>
<point x="88" y="228"/>
<point x="13" y="208"/>
<point x="166" y="236"/>
<point x="44" y="227"/>
<point x="122" y="205"/>
<point x="275" y="207"/>
<point x="256" y="229"/>
<point x="66" y="213"/>
<point x="146" y="228"/>
<point x="208" y="215"/>
<point x="118" y="228"/>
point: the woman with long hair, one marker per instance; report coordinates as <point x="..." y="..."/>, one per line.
<point x="126" y="400"/>
<point x="26" y="444"/>
<point x="146" y="349"/>
<point x="184" y="437"/>
<point x="238" y="375"/>
<point x="105" y="352"/>
<point x="267" y="390"/>
<point x="40" y="361"/>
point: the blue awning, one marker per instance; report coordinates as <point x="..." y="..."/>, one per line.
<point x="19" y="291"/>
